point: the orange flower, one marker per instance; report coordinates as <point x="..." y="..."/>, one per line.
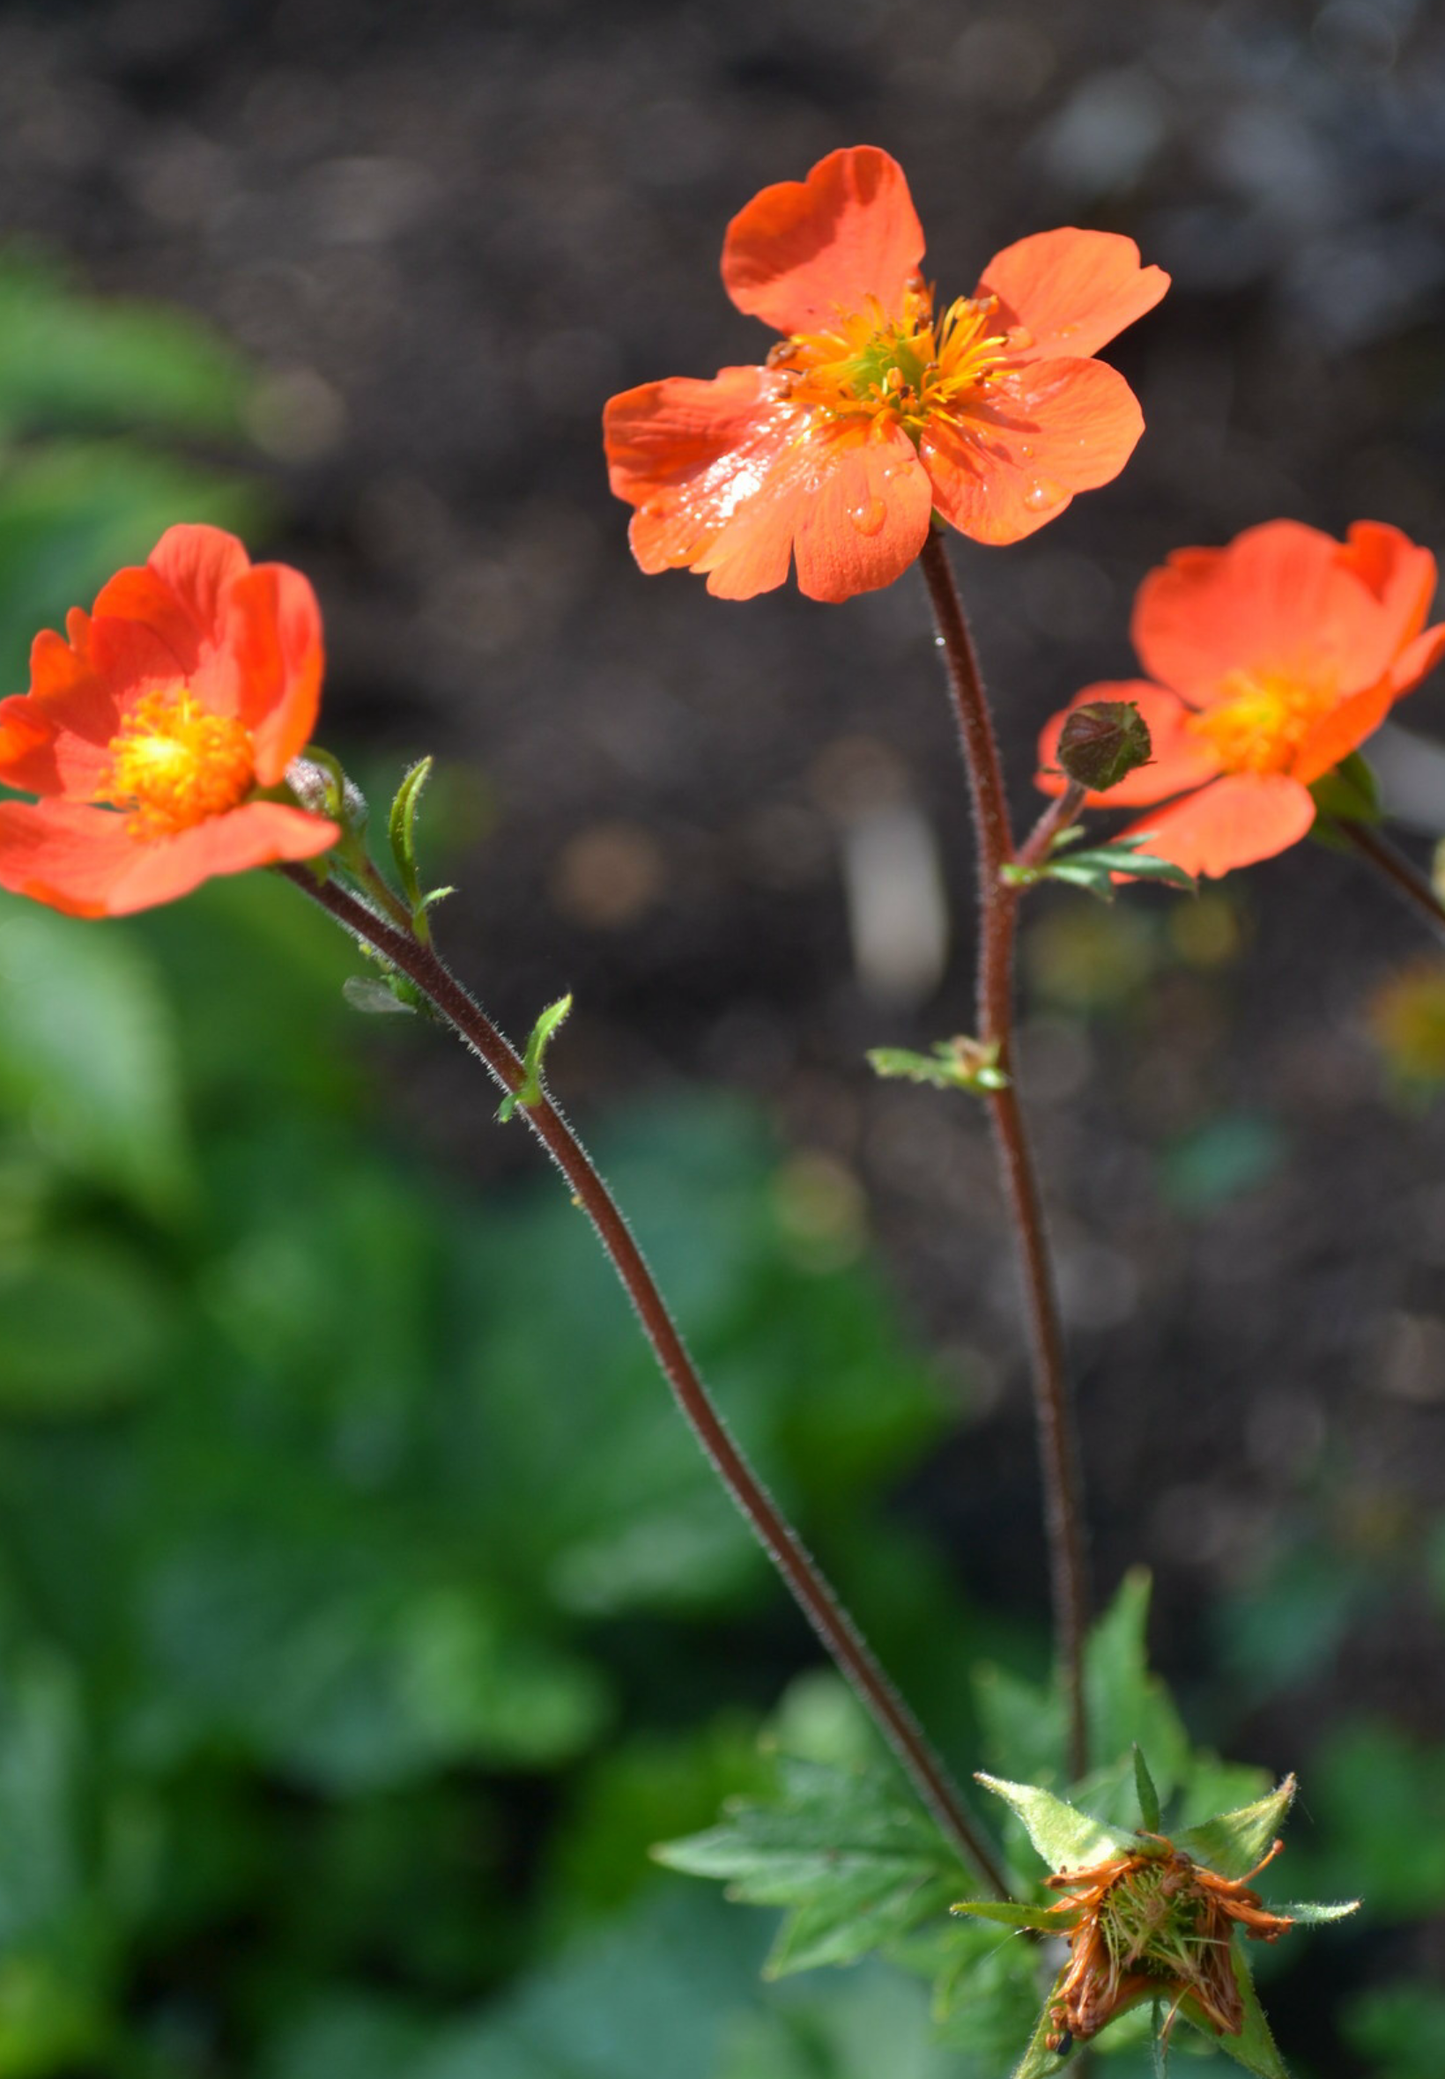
<point x="874" y="409"/>
<point x="151" y="729"/>
<point x="1274" y="658"/>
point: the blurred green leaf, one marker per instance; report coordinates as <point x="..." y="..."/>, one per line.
<point x="1400" y="2028"/>
<point x="70" y="358"/>
<point x="84" y="1326"/>
<point x="88" y="1054"/>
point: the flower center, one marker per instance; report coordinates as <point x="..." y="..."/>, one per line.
<point x="174" y="764"/>
<point x="903" y="372"/>
<point x="1262" y="721"/>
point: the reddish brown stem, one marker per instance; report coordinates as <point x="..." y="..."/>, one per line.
<point x="1400" y="874"/>
<point x="800" y="1572"/>
<point x="998" y="915"/>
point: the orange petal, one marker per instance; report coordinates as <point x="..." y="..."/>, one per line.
<point x="273" y="638"/>
<point x="84" y="861"/>
<point x="729" y="478"/>
<point x="1072" y="291"/>
<point x="1417" y="660"/>
<point x="200" y="564"/>
<point x="53" y="739"/>
<point x="1182" y="758"/>
<point x="803" y="249"/>
<point x="1278" y="600"/>
<point x="1401" y="576"/>
<point x="717" y="471"/>
<point x="1341" y="731"/>
<point x="867" y="519"/>
<point x="1046" y="431"/>
<point x="1233" y="822"/>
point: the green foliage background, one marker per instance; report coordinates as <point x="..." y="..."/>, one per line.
<point x="366" y="1614"/>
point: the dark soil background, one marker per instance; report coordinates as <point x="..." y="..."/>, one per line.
<point x="449" y="232"/>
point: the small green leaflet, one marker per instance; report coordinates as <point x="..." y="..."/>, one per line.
<point x="856" y="1864"/>
<point x="529" y="1090"/>
<point x="1095" y="866"/>
<point x="953" y="1065"/>
<point x="401" y="828"/>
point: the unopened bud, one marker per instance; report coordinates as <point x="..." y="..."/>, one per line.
<point x="1102" y="742"/>
<point x="321" y="786"/>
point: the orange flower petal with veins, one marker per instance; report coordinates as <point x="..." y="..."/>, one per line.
<point x="150" y="727"/>
<point x="1072" y="291"/>
<point x="803" y="249"/>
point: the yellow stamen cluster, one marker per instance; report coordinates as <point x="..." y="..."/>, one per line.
<point x="1261" y="722"/>
<point x="175" y="763"/>
<point x="903" y="372"/>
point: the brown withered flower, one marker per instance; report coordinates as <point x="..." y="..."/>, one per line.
<point x="1153" y="1925"/>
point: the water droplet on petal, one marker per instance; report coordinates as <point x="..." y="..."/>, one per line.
<point x="868" y="515"/>
<point x="1040" y="494"/>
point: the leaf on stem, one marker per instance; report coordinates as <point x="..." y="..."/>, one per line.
<point x="529" y="1090"/>
<point x="1149" y="1810"/>
<point x="401" y="829"/>
<point x="856" y="1865"/>
<point x="956" y="1064"/>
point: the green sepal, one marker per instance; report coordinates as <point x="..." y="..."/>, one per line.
<point x="1149" y="1808"/>
<point x="858" y="1866"/>
<point x="529" y="1090"/>
<point x="1318" y="1912"/>
<point x="1254" y="2047"/>
<point x="1038" y="2061"/>
<point x="1347" y="793"/>
<point x="401" y="829"/>
<point x="1041" y="1919"/>
<point x="1233" y="1842"/>
<point x="956" y="1064"/>
<point x="1064" y="1836"/>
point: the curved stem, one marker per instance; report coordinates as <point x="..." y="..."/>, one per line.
<point x="998" y="916"/>
<point x="809" y="1588"/>
<point x="1400" y="874"/>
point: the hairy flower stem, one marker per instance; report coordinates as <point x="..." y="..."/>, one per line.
<point x="780" y="1541"/>
<point x="998" y="918"/>
<point x="1400" y="874"/>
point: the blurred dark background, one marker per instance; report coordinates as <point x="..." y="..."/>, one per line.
<point x="412" y="251"/>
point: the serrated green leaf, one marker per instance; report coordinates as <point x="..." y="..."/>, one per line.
<point x="1065" y="1837"/>
<point x="1040" y="1918"/>
<point x="1319" y="1912"/>
<point x="1127" y="1701"/>
<point x="529" y="1090"/>
<point x="1234" y="1842"/>
<point x="857" y="1865"/>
